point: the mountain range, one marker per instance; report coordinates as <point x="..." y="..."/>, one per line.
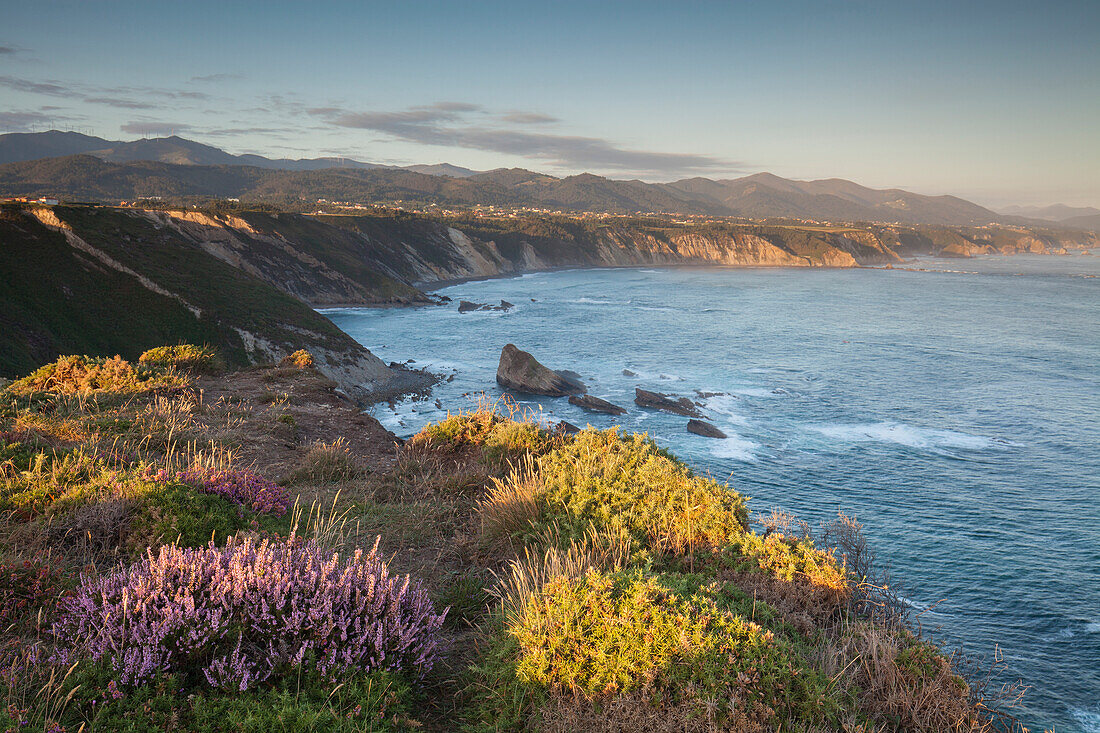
<point x="82" y="167"/>
<point x="20" y="146"/>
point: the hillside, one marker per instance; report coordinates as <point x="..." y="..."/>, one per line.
<point x="189" y="550"/>
<point x="87" y="280"/>
<point x="23" y="146"/>
<point x="247" y="282"/>
<point x="182" y="171"/>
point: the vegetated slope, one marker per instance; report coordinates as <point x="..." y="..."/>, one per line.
<point x="154" y="576"/>
<point x="757" y="196"/>
<point x="23" y="146"/>
<point x="89" y="280"/>
<point x="19" y="146"/>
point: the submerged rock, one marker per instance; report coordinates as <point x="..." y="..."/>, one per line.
<point x="522" y="372"/>
<point x="628" y="373"/>
<point x="657" y="401"/>
<point x="705" y="429"/>
<point x="595" y="404"/>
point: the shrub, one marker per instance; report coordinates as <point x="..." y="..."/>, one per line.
<point x="198" y="359"/>
<point x="25" y="587"/>
<point x="789" y="559"/>
<point x="604" y="478"/>
<point x="606" y="635"/>
<point x="300" y="359"/>
<point x="242" y="487"/>
<point x="498" y="438"/>
<point x="178" y="514"/>
<point x="79" y="374"/>
<point x="249" y="612"/>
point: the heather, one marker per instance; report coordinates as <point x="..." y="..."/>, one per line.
<point x="240" y="614"/>
<point x="241" y="487"/>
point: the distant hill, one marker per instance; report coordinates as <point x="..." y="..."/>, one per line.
<point x="1090" y="222"/>
<point x="1055" y="212"/>
<point x="90" y="177"/>
<point x="19" y="146"/>
<point x="24" y="146"/>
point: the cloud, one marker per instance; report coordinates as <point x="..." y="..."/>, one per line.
<point x="230" y="131"/>
<point x="120" y="103"/>
<point x="116" y="96"/>
<point x="447" y="124"/>
<point x="23" y="121"/>
<point x="211" y="78"/>
<point x="157" y="129"/>
<point x="8" y="50"/>
<point x="528" y="118"/>
<point x="53" y="89"/>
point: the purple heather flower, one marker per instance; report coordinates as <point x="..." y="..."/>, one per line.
<point x="243" y="487"/>
<point x="249" y="611"/>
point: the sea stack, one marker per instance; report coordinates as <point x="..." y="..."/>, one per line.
<point x="520" y="371"/>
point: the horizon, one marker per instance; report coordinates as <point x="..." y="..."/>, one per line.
<point x="991" y="103"/>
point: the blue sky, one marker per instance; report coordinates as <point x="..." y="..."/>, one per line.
<point x="998" y="102"/>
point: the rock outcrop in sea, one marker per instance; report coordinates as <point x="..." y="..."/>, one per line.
<point x="657" y="401"/>
<point x="595" y="404"/>
<point x="520" y="371"/>
<point x="705" y="429"/>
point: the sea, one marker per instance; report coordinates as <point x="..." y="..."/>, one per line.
<point x="952" y="406"/>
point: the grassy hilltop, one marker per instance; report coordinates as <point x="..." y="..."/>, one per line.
<point x="183" y="548"/>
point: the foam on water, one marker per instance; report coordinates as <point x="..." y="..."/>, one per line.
<point x="906" y="435"/>
<point x="727" y="407"/>
<point x="735" y="447"/>
<point x="1089" y="720"/>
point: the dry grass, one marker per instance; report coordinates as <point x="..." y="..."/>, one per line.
<point x="523" y="578"/>
<point x="328" y="463"/>
<point x="511" y="504"/>
<point x="895" y="677"/>
<point x="328" y="527"/>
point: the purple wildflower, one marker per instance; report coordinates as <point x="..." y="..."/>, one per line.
<point x="249" y="611"/>
<point x="243" y="487"/>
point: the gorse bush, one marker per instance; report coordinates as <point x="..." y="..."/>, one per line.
<point x="498" y="439"/>
<point x="789" y="558"/>
<point x="244" y="613"/>
<point x="198" y="359"/>
<point x="604" y="478"/>
<point x="300" y="359"/>
<point x="80" y="374"/>
<point x="605" y="635"/>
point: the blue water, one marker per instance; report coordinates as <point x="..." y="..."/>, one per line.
<point x="956" y="413"/>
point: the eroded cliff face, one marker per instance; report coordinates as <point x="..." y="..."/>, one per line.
<point x="197" y="278"/>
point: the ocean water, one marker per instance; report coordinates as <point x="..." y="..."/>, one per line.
<point x="956" y="412"/>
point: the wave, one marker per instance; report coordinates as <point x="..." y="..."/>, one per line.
<point x="1089" y="720"/>
<point x="593" y="301"/>
<point x="735" y="447"/>
<point x="726" y="406"/>
<point x="906" y="435"/>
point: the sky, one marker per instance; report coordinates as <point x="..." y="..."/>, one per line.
<point x="998" y="102"/>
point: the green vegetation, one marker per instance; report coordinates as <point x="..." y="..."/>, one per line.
<point x="594" y="581"/>
<point x="165" y="288"/>
<point x="197" y="359"/>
